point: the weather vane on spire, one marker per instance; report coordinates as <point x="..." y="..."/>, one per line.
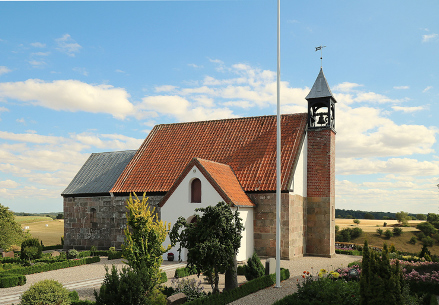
<point x="321" y="54"/>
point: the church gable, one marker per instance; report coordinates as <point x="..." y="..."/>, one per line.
<point x="221" y="178"/>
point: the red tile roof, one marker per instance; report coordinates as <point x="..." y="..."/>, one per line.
<point x="221" y="177"/>
<point x="248" y="145"/>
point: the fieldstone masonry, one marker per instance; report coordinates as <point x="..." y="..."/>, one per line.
<point x="96" y="221"/>
<point x="293" y="211"/>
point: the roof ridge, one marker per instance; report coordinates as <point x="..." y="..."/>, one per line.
<point x="230" y="119"/>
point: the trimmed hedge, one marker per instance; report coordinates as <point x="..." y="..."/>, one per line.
<point x="11" y="280"/>
<point x="114" y="255"/>
<point x="53" y="266"/>
<point x="163" y="278"/>
<point x="83" y="302"/>
<point x="54" y="247"/>
<point x="185" y="271"/>
<point x="242" y="291"/>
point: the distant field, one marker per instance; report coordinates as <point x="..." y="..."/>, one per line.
<point x="369" y="227"/>
<point x="50" y="234"/>
<point x="31" y="219"/>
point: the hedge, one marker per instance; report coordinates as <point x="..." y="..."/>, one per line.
<point x="54" y="247"/>
<point x="185" y="271"/>
<point x="242" y="291"/>
<point x="163" y="278"/>
<point x="114" y="255"/>
<point x="11" y="280"/>
<point x="53" y="266"/>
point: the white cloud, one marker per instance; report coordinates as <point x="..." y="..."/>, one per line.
<point x="37" y="63"/>
<point x="119" y="71"/>
<point x="8" y="184"/>
<point x="401" y="87"/>
<point x="4" y="109"/>
<point x="165" y="88"/>
<point x="4" y="70"/>
<point x="374" y="98"/>
<point x="22" y="121"/>
<point x="427" y="88"/>
<point x="66" y="44"/>
<point x="70" y="95"/>
<point x="195" y="66"/>
<point x="41" y="54"/>
<point x="428" y="37"/>
<point x="408" y="109"/>
<point x="38" y="45"/>
<point x="82" y="71"/>
<point x="346" y="87"/>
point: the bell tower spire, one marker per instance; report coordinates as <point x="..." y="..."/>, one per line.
<point x="321" y="105"/>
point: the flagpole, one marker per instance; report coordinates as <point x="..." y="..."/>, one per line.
<point x="278" y="155"/>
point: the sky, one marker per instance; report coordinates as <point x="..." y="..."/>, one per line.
<point x="84" y="77"/>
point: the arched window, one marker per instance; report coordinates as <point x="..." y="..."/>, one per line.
<point x="196" y="191"/>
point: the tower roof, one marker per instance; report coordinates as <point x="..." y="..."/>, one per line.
<point x="320" y="88"/>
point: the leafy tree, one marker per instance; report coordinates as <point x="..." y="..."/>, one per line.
<point x="421" y="217"/>
<point x="427" y="228"/>
<point x="380" y="231"/>
<point x="212" y="241"/>
<point x="356" y="221"/>
<point x="432" y="217"/>
<point x="10" y="230"/>
<point x="397" y="231"/>
<point x="60" y="216"/>
<point x="254" y="268"/>
<point x="31" y="249"/>
<point x="388" y="234"/>
<point x="368" y="216"/>
<point x="144" y="236"/>
<point x="402" y="218"/>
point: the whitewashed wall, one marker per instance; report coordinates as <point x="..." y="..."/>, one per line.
<point x="178" y="204"/>
<point x="299" y="180"/>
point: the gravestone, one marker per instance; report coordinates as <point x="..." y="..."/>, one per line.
<point x="270" y="266"/>
<point x="55" y="254"/>
<point x="8" y="254"/>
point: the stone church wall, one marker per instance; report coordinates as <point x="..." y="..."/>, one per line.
<point x="96" y="221"/>
<point x="293" y="213"/>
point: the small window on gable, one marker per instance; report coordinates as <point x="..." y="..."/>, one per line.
<point x="196" y="191"/>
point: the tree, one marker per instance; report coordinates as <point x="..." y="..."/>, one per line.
<point x="421" y="217"/>
<point x="368" y="216"/>
<point x="144" y="236"/>
<point x="402" y="218"/>
<point x="356" y="221"/>
<point x="212" y="241"/>
<point x="10" y="231"/>
<point x="426" y="228"/>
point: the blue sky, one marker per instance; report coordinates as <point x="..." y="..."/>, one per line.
<point x="83" y="77"/>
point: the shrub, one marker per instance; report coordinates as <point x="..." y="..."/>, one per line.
<point x="46" y="292"/>
<point x="11" y="280"/>
<point x="156" y="297"/>
<point x="397" y="231"/>
<point x="392" y="248"/>
<point x="124" y="287"/>
<point x="356" y="221"/>
<point x="254" y="268"/>
<point x="427" y="228"/>
<point x="356" y="232"/>
<point x="189" y="287"/>
<point x="388" y="234"/>
<point x="31" y="249"/>
<point x="183" y="272"/>
<point x="240" y="270"/>
<point x="73" y="295"/>
<point x="114" y="255"/>
<point x="380" y="231"/>
<point x="72" y="253"/>
<point x="427" y="241"/>
<point x="324" y="291"/>
<point x="412" y="240"/>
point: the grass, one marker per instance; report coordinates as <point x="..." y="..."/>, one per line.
<point x="31" y="219"/>
<point x="50" y="234"/>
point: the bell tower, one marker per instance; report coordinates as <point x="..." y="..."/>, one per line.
<point x="320" y="219"/>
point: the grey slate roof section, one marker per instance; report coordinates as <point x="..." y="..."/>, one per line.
<point x="99" y="173"/>
<point x="320" y="88"/>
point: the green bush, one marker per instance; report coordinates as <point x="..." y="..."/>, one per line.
<point x="388" y="234"/>
<point x="240" y="270"/>
<point x="397" y="231"/>
<point x="189" y="287"/>
<point x="31" y="249"/>
<point x="380" y="231"/>
<point x="156" y="297"/>
<point x="254" y="268"/>
<point x="73" y="295"/>
<point x="412" y="240"/>
<point x="242" y="291"/>
<point x="114" y="255"/>
<point x="46" y="292"/>
<point x="427" y="241"/>
<point x="11" y="280"/>
<point x="185" y="271"/>
<point x="54" y="247"/>
<point x="427" y="228"/>
<point x="72" y="253"/>
<point x="122" y="287"/>
<point x="324" y="291"/>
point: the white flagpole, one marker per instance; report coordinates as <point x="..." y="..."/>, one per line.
<point x="278" y="173"/>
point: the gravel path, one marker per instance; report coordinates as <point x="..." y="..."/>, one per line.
<point x="85" y="279"/>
